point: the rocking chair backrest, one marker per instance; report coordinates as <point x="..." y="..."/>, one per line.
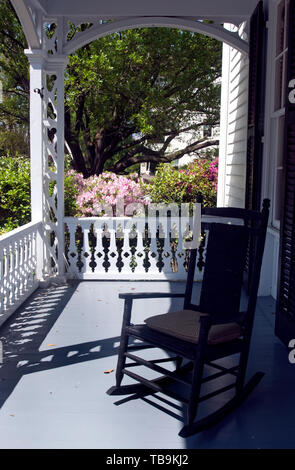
<point x="224" y="267"/>
<point x="225" y="261"/>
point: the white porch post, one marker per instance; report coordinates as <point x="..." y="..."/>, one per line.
<point x="43" y="151"/>
<point x="36" y="59"/>
<point x="57" y="65"/>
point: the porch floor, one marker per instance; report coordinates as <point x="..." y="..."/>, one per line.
<point x="53" y="384"/>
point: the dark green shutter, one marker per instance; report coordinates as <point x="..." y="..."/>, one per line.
<point x="285" y="315"/>
<point x="255" y="108"/>
<point x="257" y="64"/>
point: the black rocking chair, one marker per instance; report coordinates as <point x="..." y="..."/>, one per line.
<point x="200" y="335"/>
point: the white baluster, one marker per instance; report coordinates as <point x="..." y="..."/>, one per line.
<point x="20" y="265"/>
<point x="140" y="253"/>
<point x="16" y="268"/>
<point x="113" y="253"/>
<point x="126" y="251"/>
<point x="11" y="273"/>
<point x="153" y="251"/>
<point x="99" y="253"/>
<point x="86" y="252"/>
<point x="34" y="253"/>
<point x="4" y="282"/>
<point x="72" y="227"/>
<point x="30" y="254"/>
<point x="166" y="253"/>
<point x="181" y="272"/>
<point x="26" y="258"/>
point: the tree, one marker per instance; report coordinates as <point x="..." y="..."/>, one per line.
<point x="14" y="76"/>
<point x="126" y="91"/>
<point x="123" y="93"/>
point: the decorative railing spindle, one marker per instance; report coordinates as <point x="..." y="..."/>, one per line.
<point x="125" y="248"/>
<point x="18" y="265"/>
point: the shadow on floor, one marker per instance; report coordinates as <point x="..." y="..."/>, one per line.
<point x="265" y="420"/>
<point x="24" y="332"/>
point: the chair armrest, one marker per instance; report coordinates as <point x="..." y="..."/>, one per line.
<point x="148" y="295"/>
<point x="130" y="296"/>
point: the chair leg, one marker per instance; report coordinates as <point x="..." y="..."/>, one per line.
<point x="123" y="342"/>
<point x="121" y="359"/>
<point x="179" y="361"/>
<point x="242" y="370"/>
<point x="195" y="392"/>
<point x="198" y="371"/>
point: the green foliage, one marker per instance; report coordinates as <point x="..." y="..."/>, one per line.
<point x="14" y="75"/>
<point x="122" y="92"/>
<point x="150" y="83"/>
<point x="168" y="185"/>
<point x="149" y="76"/>
<point x="185" y="185"/>
<point x="71" y="193"/>
<point x="15" y="209"/>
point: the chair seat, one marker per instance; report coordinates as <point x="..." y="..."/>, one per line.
<point x="185" y="325"/>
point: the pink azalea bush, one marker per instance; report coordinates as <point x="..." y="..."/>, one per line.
<point x="101" y="195"/>
<point x="109" y="193"/>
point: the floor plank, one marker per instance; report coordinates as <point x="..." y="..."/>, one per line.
<point x="57" y="347"/>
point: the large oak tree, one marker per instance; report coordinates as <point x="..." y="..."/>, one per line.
<point x="123" y="93"/>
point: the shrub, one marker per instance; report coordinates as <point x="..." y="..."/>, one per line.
<point x="15" y="198"/>
<point x="87" y="197"/>
<point x="185" y="185"/>
<point x="71" y="192"/>
<point x="84" y="197"/>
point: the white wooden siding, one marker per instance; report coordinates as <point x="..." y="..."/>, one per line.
<point x="233" y="128"/>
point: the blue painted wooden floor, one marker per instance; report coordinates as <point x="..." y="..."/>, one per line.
<point x="53" y="387"/>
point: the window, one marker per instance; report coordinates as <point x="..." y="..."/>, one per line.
<point x="278" y="108"/>
<point x="278" y="176"/>
<point x="281" y="54"/>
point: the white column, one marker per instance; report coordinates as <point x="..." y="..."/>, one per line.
<point x="36" y="59"/>
<point x="42" y="65"/>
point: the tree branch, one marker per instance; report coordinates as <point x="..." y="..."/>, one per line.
<point x="149" y="155"/>
<point x="16" y="116"/>
<point x="13" y="39"/>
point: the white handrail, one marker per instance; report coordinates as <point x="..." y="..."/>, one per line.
<point x="23" y="230"/>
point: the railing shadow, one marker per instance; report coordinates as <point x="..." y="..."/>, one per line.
<point x="23" y="336"/>
<point x="24" y="333"/>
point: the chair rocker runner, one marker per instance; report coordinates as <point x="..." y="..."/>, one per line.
<point x="200" y="335"/>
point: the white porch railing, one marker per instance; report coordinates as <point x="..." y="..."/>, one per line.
<point x="18" y="266"/>
<point x="125" y="248"/>
<point x="95" y="248"/>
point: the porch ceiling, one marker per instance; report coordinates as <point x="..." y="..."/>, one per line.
<point x="168" y="13"/>
<point x="216" y="8"/>
<point x="110" y="8"/>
